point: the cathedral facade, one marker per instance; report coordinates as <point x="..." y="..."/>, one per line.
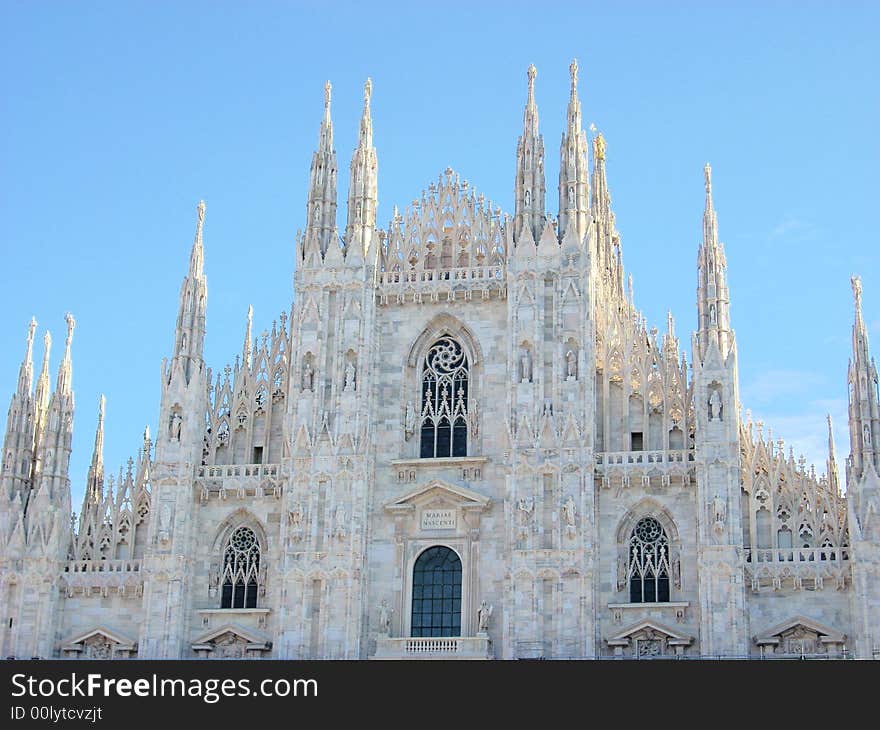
<point x="462" y="442"/>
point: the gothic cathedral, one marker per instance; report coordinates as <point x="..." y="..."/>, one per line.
<point x="463" y="442"/>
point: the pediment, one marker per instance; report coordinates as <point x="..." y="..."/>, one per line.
<point x="244" y="635"/>
<point x="652" y="629"/>
<point x="121" y="640"/>
<point x="826" y="634"/>
<point x="439" y="493"/>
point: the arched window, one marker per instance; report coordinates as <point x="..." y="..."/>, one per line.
<point x="436" y="593"/>
<point x="241" y="570"/>
<point x="444" y="400"/>
<point x="648" y="567"/>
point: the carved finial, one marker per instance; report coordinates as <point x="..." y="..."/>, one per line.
<point x="101" y="403"/>
<point x="573" y="70"/>
<point x="532" y="72"/>
<point x="201" y="209"/>
<point x="31" y="329"/>
<point x="856" y="282"/>
<point x="327" y="89"/>
<point x="707" y="172"/>
<point x="368" y="91"/>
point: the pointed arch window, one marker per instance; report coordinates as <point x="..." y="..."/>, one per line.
<point x="444" y="412"/>
<point x="241" y="570"/>
<point x="648" y="564"/>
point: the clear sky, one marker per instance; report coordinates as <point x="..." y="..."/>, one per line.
<point x="117" y="117"/>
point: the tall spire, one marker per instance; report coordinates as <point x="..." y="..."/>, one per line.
<point x="864" y="408"/>
<point x="530" y="188"/>
<point x="574" y="177"/>
<point x="321" y="205"/>
<point x="26" y="371"/>
<point x="246" y="350"/>
<point x="65" y="370"/>
<point x="189" y="334"/>
<point x="41" y="395"/>
<point x="831" y="466"/>
<point x="363" y="183"/>
<point x="713" y="300"/>
<point x="95" y="481"/>
<point x="606" y="252"/>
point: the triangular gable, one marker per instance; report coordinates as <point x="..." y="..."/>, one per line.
<point x="460" y="496"/>
<point x="673" y="637"/>
<point x="248" y="635"/>
<point x="827" y="634"/>
<point x="122" y="640"/>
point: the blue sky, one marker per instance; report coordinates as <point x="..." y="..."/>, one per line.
<point x="117" y="118"/>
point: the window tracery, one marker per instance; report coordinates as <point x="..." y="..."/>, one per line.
<point x="241" y="570"/>
<point x="444" y="413"/>
<point x="648" y="566"/>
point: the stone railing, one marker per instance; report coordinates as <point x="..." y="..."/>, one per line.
<point x="797" y="568"/>
<point x="238" y="481"/>
<point x="238" y="470"/>
<point x="795" y="555"/>
<point x="103" y="566"/>
<point x="450" y="283"/>
<point x="628" y="468"/>
<point x="101" y="577"/>
<point x="446" y="647"/>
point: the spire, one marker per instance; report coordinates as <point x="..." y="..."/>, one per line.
<point x="574" y="183"/>
<point x="831" y="466"/>
<point x="530" y="188"/>
<point x="864" y="408"/>
<point x="713" y="302"/>
<point x="65" y="370"/>
<point x="607" y="242"/>
<point x="41" y="396"/>
<point x="95" y="481"/>
<point x="246" y="351"/>
<point x="26" y="371"/>
<point x="363" y="183"/>
<point x="321" y="205"/>
<point x="197" y="256"/>
<point x="190" y="331"/>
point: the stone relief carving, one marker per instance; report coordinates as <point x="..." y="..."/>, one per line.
<point x="385" y="613"/>
<point x="569" y="516"/>
<point x="409" y="421"/>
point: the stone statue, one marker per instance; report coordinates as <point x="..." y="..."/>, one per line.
<point x="719" y="513"/>
<point x="409" y="420"/>
<point x="571" y="365"/>
<point x="715" y="405"/>
<point x="307" y="376"/>
<point x="340" y="528"/>
<point x="175" y="426"/>
<point x="483" y="614"/>
<point x="525" y="505"/>
<point x="569" y="511"/>
<point x="349" y="377"/>
<point x="526" y="365"/>
<point x="856" y="282"/>
<point x="712" y="315"/>
<point x="385" y="618"/>
<point x="165" y="522"/>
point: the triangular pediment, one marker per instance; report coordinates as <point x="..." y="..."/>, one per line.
<point x="437" y="491"/>
<point x="653" y="626"/>
<point x="827" y="634"/>
<point x="123" y="641"/>
<point x="246" y="635"/>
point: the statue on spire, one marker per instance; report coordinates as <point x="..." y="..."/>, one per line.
<point x="71" y="323"/>
<point x="573" y="70"/>
<point x="599" y="147"/>
<point x="707" y="172"/>
<point x="532" y="72"/>
<point x="327" y="88"/>
<point x="856" y="282"/>
<point x="368" y="91"/>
